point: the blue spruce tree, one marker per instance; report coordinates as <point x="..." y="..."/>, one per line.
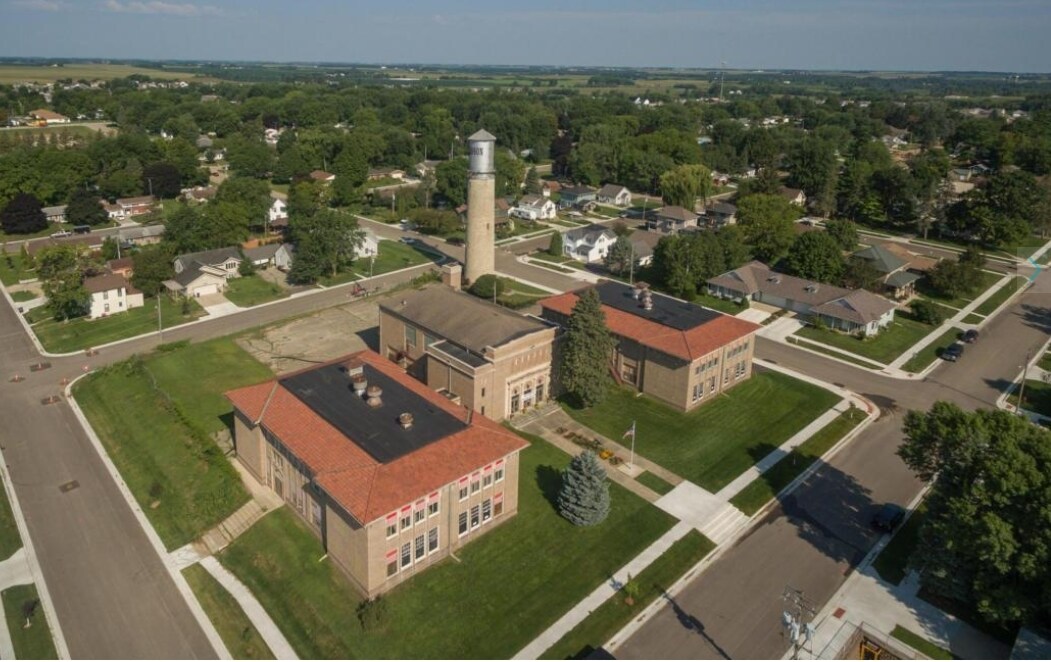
<point x="584" y="498"/>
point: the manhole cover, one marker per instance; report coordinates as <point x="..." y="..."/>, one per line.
<point x="37" y="367"/>
<point x="50" y="400"/>
<point x="68" y="487"/>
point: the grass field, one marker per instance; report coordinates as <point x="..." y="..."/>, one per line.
<point x="159" y="436"/>
<point x="82" y="333"/>
<point x="973" y="319"/>
<point x="715" y="442"/>
<point x="1000" y="296"/>
<point x="828" y="351"/>
<point x="10" y="539"/>
<point x="393" y="255"/>
<point x="756" y="494"/>
<point x="1045" y="362"/>
<point x="884" y="347"/>
<point x="893" y="561"/>
<point x="24" y="295"/>
<point x="920" y="644"/>
<point x="507" y="587"/>
<point x="1037" y="397"/>
<point x="252" y="291"/>
<point x="10" y="73"/>
<point x="715" y="303"/>
<point x="931" y="352"/>
<point x="655" y="482"/>
<point x="988" y="279"/>
<point x="595" y="630"/>
<point x="33" y="642"/>
<point x="12" y="269"/>
<point x="236" y="631"/>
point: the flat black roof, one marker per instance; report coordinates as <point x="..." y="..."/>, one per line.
<point x="328" y="391"/>
<point x="670" y="312"/>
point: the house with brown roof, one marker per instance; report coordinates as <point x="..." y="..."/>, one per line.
<point x="123" y="266"/>
<point x="390" y="475"/>
<point x="614" y="194"/>
<point x="851" y="311"/>
<point x="491" y="359"/>
<point x="794" y="195"/>
<point x="111" y="293"/>
<point x="672" y="218"/>
<point x="137" y="206"/>
<point x="677" y="352"/>
<point x="48" y="116"/>
<point x="322" y="176"/>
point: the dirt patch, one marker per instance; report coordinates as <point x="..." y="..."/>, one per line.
<point x="323" y="336"/>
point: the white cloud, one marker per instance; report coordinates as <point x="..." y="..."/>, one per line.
<point x="41" y="5"/>
<point x="159" y="7"/>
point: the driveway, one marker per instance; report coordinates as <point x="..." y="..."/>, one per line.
<point x="217" y="305"/>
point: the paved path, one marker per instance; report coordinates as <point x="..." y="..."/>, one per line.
<point x="600" y="595"/>
<point x="14" y="571"/>
<point x="265" y="625"/>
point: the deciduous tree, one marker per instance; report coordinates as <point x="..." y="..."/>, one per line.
<point x="816" y="256"/>
<point x="767" y="224"/>
<point x="85" y="208"/>
<point x="23" y="215"/>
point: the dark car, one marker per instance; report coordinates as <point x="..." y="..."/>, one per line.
<point x="81" y="229"/>
<point x="953" y="352"/>
<point x="888" y="517"/>
<point x="455" y="241"/>
<point x="969" y="336"/>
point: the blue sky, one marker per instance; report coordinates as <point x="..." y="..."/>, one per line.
<point x="989" y="35"/>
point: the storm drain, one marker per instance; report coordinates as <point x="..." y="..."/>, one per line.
<point x="68" y="487"/>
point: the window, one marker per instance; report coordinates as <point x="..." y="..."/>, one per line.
<point x="432" y="540"/>
<point x="726" y="376"/>
<point x="463" y="524"/>
<point x="419" y="515"/>
<point x="487" y="510"/>
<point x="410" y="336"/>
<point x="475" y="483"/>
<point x="432" y="508"/>
<point x="711" y="384"/>
<point x="392" y="563"/>
<point x="406" y="555"/>
<point x="392" y="525"/>
<point x="420" y="549"/>
<point x="428" y="340"/>
<point x="515" y="403"/>
<point x="498" y="504"/>
<point x="698" y="391"/>
<point x="105" y="295"/>
<point x="463" y="489"/>
<point x="487" y="479"/>
<point x="499" y="473"/>
<point x="475" y="513"/>
<point x="406" y="518"/>
<point x="539" y="392"/>
<point x="483" y="391"/>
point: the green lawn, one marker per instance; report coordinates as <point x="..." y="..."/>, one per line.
<point x="833" y="353"/>
<point x="892" y="562"/>
<point x="160" y="437"/>
<point x="237" y="632"/>
<point x="82" y="333"/>
<point x="595" y="630"/>
<point x="33" y="642"/>
<point x="1000" y="296"/>
<point x="12" y="269"/>
<point x="973" y="319"/>
<point x="550" y="265"/>
<point x="1045" y="362"/>
<point x="517" y="294"/>
<point x="1037" y="397"/>
<point x="884" y="347"/>
<point x="988" y="279"/>
<point x="253" y="290"/>
<point x="931" y="352"/>
<point x="393" y="255"/>
<point x="764" y="488"/>
<point x="10" y="539"/>
<point x="920" y="644"/>
<point x="507" y="587"/>
<point x="715" y="303"/>
<point x="24" y="295"/>
<point x="715" y="442"/>
<point x="655" y="482"/>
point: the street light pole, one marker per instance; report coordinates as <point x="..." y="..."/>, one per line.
<point x="1021" y="389"/>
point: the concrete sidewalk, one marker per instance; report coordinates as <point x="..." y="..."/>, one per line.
<point x="13" y="572"/>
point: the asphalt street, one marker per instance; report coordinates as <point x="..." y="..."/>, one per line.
<point x="814" y="538"/>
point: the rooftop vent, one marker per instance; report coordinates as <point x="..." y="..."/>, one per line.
<point x="373" y="394"/>
<point x="773" y="279"/>
<point x="405" y="420"/>
<point x="647" y="300"/>
<point x="811" y="287"/>
<point x="360" y="381"/>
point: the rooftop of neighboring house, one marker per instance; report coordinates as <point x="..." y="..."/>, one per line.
<point x="215" y="256"/>
<point x="532" y="201"/>
<point x="859" y="306"/>
<point x="107" y="283"/>
<point x="136" y="201"/>
<point x="672" y="326"/>
<point x="881" y="259"/>
<point x="577" y="190"/>
<point x="477" y="324"/>
<point x="790" y="193"/>
<point x="756" y="276"/>
<point x="266" y="251"/>
<point x="589" y="234"/>
<point x="722" y="208"/>
<point x="57" y="210"/>
<point x="644" y="242"/>
<point x="552" y="185"/>
<point x="356" y="448"/>
<point x="611" y="190"/>
<point x="321" y="175"/>
<point x="120" y="264"/>
<point x="141" y="232"/>
<point x="915" y="261"/>
<point x="45" y="114"/>
<point x="201" y="192"/>
<point x="676" y="213"/>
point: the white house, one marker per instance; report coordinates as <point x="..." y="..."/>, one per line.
<point x="614" y="194"/>
<point x="111" y="293"/>
<point x="370" y="245"/>
<point x="271" y="255"/>
<point x="588" y="244"/>
<point x="278" y="209"/>
<point x="206" y="272"/>
<point x="535" y="207"/>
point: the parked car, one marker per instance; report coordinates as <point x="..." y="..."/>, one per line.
<point x="61" y="233"/>
<point x="889" y="517"/>
<point x="81" y="229"/>
<point x="953" y="352"/>
<point x="970" y="336"/>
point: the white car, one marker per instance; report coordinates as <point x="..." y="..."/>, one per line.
<point x="61" y="233"/>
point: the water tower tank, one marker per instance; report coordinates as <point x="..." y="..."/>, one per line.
<point x="481" y="147"/>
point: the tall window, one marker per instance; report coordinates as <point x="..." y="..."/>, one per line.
<point x="487" y="510"/>
<point x="392" y="525"/>
<point x="487" y="478"/>
<point x="432" y="540"/>
<point x="515" y="403"/>
<point x="498" y="475"/>
<point x="406" y="555"/>
<point x="698" y="391"/>
<point x="432" y="507"/>
<point x="410" y="336"/>
<point x="463" y="489"/>
<point x="498" y="504"/>
<point x="420" y="549"/>
<point x="392" y="562"/>
<point x="463" y="524"/>
<point x="315" y="512"/>
<point x="476" y="483"/>
<point x="406" y="519"/>
<point x="419" y="514"/>
<point x="539" y="392"/>
<point x="475" y="516"/>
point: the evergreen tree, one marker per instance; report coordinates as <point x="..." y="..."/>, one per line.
<point x="555" y="247"/>
<point x="584" y="369"/>
<point x="84" y="208"/>
<point x="620" y="257"/>
<point x="532" y="182"/>
<point x="584" y="497"/>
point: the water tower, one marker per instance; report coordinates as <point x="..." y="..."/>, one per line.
<point x="481" y="205"/>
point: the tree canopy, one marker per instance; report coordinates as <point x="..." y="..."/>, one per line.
<point x="23" y="215"/>
<point x="816" y="256"/>
<point x="586" y="347"/>
<point x="767" y="223"/>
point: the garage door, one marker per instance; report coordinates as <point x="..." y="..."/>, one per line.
<point x="202" y="290"/>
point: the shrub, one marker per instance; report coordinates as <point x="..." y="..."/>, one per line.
<point x="927" y="312"/>
<point x="487" y="287"/>
<point x="372" y="614"/>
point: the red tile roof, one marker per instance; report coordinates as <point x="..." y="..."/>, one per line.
<point x="686" y="344"/>
<point x="364" y="487"/>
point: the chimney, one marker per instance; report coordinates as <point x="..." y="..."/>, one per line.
<point x="373" y="394"/>
<point x="452" y="275"/>
<point x="360" y="382"/>
<point x="405" y="419"/>
<point x="647" y="300"/>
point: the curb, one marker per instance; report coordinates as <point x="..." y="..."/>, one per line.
<point x="180" y="582"/>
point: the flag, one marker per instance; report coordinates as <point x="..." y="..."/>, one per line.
<point x="630" y="432"/>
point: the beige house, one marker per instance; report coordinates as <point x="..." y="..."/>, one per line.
<point x="677" y="352"/>
<point x="391" y="476"/>
<point x="205" y="272"/>
<point x="494" y="361"/>
<point x="110" y="294"/>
